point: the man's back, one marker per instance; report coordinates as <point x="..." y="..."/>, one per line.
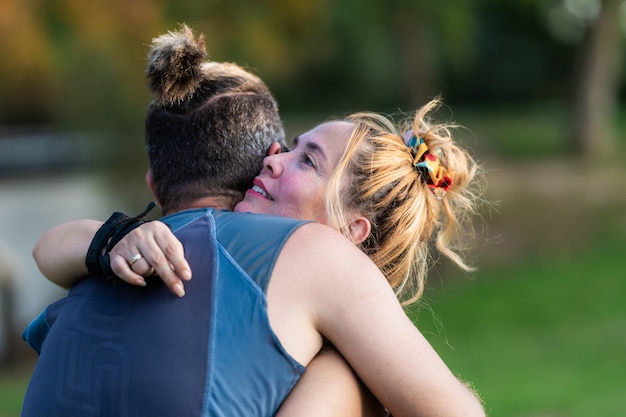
<point x="118" y="350"/>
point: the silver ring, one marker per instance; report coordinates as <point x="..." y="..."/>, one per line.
<point x="134" y="259"/>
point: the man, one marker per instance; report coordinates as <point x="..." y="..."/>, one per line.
<point x="266" y="290"/>
<point x="207" y="132"/>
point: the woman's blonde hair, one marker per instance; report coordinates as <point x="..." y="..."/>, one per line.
<point x="376" y="178"/>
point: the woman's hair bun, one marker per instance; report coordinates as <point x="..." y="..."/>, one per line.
<point x="174" y="66"/>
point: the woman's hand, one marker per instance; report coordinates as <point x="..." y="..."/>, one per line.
<point x="151" y="249"/>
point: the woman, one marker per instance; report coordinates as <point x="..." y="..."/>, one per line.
<point x="419" y="194"/>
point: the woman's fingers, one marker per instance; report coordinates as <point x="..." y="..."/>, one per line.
<point x="148" y="249"/>
<point x="173" y="251"/>
<point x="119" y="265"/>
<point x="141" y="266"/>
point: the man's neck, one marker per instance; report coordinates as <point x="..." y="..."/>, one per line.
<point x="217" y="202"/>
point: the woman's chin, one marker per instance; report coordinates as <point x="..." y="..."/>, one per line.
<point x="247" y="207"/>
<point x="241" y="207"/>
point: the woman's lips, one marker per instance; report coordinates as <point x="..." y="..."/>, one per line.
<point x="259" y="189"/>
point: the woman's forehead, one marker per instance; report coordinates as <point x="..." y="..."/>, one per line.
<point x="331" y="131"/>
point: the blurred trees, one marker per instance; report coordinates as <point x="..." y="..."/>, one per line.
<point x="29" y="80"/>
<point x="597" y="81"/>
<point x="79" y="64"/>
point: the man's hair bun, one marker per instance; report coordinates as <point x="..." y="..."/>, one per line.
<point x="174" y="66"/>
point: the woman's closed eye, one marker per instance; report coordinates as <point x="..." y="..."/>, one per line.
<point x="305" y="159"/>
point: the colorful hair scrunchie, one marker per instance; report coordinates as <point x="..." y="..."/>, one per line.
<point x="424" y="162"/>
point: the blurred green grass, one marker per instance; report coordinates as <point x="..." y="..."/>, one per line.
<point x="13" y="382"/>
<point x="540" y="338"/>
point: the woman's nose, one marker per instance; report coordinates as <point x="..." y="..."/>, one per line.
<point x="272" y="164"/>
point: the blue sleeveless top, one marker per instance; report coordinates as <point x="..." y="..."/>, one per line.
<point x="111" y="349"/>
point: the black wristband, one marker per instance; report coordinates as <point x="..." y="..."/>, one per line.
<point x="99" y="242"/>
<point x="110" y="233"/>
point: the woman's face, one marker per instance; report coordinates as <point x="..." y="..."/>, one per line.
<point x="293" y="184"/>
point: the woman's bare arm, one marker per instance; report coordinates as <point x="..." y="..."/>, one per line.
<point x="352" y="305"/>
<point x="329" y="388"/>
<point x="60" y="254"/>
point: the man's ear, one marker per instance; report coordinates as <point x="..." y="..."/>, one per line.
<point x="150" y="184"/>
<point x="275" y="148"/>
<point x="360" y="229"/>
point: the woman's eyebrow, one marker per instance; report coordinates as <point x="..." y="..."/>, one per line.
<point x="315" y="148"/>
<point x="311" y="147"/>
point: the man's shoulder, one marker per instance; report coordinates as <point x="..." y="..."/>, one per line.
<point x="254" y="226"/>
<point x="228" y="217"/>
